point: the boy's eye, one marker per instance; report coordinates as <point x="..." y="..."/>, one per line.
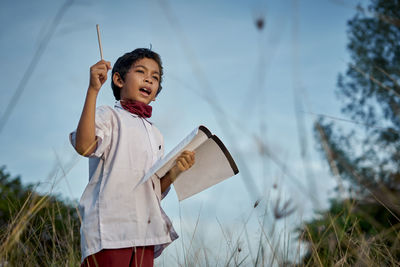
<point x="156" y="78"/>
<point x="140" y="71"/>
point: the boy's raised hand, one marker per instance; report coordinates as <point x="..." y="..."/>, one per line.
<point x="98" y="74"/>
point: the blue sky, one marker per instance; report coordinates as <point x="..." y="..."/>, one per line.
<point x="211" y="50"/>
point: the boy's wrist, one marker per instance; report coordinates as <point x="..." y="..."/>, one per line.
<point x="174" y="173"/>
<point x="92" y="91"/>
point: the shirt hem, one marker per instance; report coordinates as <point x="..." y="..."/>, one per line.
<point x="126" y="244"/>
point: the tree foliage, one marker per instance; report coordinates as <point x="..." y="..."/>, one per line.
<point x="370" y="93"/>
<point x="353" y="232"/>
<point x="35" y="229"/>
<point x="362" y="225"/>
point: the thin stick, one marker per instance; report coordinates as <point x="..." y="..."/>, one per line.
<point x="98" y="38"/>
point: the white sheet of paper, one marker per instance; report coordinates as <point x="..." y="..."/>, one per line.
<point x="213" y="163"/>
<point x="163" y="165"/>
<point x="210" y="168"/>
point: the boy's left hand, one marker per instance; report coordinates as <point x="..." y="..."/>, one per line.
<point x="185" y="160"/>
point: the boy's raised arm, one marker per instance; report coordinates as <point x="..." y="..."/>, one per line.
<point x="86" y="141"/>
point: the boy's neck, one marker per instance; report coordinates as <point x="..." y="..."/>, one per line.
<point x="136" y="107"/>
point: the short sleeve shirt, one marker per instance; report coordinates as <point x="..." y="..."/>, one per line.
<point x="117" y="212"/>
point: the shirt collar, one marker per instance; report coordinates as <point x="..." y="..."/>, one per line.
<point x="118" y="105"/>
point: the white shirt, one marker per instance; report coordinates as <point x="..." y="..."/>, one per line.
<point x="115" y="213"/>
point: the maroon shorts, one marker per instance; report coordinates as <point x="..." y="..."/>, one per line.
<point x="129" y="257"/>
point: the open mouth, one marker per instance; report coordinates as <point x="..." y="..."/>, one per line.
<point x="145" y="91"/>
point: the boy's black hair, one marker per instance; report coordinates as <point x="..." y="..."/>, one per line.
<point x="125" y="62"/>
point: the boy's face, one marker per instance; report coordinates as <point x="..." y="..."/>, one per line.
<point x="141" y="82"/>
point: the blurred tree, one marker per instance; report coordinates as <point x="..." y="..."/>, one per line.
<point x="370" y="91"/>
<point x="35" y="229"/>
<point x="362" y="226"/>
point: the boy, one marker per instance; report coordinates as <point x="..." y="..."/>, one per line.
<point x="123" y="226"/>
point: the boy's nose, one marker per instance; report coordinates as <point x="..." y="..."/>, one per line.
<point x="148" y="80"/>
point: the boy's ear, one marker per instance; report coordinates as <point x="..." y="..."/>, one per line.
<point x="117" y="79"/>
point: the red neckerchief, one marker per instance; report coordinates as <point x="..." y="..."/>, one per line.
<point x="136" y="107"/>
